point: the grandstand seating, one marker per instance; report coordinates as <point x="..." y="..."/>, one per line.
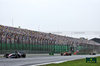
<point x="10" y="31"/>
<point x="12" y="35"/>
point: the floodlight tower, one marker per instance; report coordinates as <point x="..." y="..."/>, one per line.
<point x="12" y="22"/>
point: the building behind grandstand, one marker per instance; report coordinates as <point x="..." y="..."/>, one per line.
<point x="79" y="34"/>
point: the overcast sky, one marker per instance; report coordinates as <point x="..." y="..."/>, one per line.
<point x="51" y="15"/>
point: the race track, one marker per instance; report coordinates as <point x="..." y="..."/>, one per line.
<point x="39" y="60"/>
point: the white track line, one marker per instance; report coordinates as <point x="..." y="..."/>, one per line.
<point x="49" y="63"/>
<point x="54" y="62"/>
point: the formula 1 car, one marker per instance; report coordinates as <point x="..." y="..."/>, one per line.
<point x="15" y="55"/>
<point x="66" y="54"/>
<point x="92" y="53"/>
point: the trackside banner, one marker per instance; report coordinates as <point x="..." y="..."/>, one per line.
<point x="91" y="60"/>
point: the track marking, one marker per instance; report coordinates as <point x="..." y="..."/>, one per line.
<point x="49" y="63"/>
<point x="55" y="62"/>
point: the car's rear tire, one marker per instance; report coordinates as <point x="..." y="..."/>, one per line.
<point x="70" y="54"/>
<point x="61" y="54"/>
<point x="6" y="55"/>
<point x="24" y="56"/>
<point x="94" y="53"/>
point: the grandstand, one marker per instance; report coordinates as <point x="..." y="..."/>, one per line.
<point x="30" y="41"/>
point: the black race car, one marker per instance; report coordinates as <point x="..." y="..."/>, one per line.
<point x="15" y="55"/>
<point x="66" y="54"/>
<point x="92" y="53"/>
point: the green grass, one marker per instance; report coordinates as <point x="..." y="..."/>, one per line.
<point x="79" y="62"/>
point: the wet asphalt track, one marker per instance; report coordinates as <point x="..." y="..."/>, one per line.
<point x="35" y="60"/>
